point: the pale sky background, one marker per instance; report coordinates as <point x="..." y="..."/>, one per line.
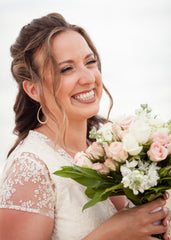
<point x="134" y="41"/>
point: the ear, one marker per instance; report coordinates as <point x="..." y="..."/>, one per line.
<point x="32" y="90"/>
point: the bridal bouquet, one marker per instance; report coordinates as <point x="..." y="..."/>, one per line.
<point x="130" y="156"/>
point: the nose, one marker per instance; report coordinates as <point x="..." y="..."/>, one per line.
<point x="86" y="76"/>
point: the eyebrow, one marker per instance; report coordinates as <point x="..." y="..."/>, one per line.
<point x="71" y="61"/>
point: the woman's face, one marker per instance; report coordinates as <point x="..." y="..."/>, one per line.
<point x="81" y="85"/>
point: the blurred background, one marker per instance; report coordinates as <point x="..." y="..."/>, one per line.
<point x="133" y="38"/>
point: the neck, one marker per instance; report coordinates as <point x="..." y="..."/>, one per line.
<point x="75" y="136"/>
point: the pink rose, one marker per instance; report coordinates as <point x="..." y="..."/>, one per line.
<point x="100" y="168"/>
<point x="157" y="152"/>
<point x="161" y="138"/>
<point x="116" y="151"/>
<point x="82" y="160"/>
<point x="111" y="164"/>
<point x="126" y="122"/>
<point x="95" y="151"/>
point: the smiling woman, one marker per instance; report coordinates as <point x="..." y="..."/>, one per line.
<point x="80" y="88"/>
<point x="57" y="69"/>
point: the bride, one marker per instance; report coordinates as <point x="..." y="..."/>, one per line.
<point x="57" y="69"/>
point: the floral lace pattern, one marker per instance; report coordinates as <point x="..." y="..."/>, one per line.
<point x="28" y="172"/>
<point x="28" y="184"/>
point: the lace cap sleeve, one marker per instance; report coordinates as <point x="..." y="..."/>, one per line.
<point x="28" y="186"/>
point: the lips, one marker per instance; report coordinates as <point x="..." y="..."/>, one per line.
<point x="85" y="97"/>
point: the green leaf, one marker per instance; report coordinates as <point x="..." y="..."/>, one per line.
<point x="163" y="172"/>
<point x="84" y="176"/>
<point x="144" y="106"/>
<point x="114" y="189"/>
<point x="90" y="192"/>
<point x="76" y="172"/>
<point x="98" y="196"/>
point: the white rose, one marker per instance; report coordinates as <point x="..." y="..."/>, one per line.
<point x="163" y="130"/>
<point x="155" y="123"/>
<point x="106" y="131"/>
<point x="131" y="145"/>
<point x="141" y="130"/>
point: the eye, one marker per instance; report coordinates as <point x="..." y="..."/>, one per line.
<point x="92" y="61"/>
<point x="65" y="69"/>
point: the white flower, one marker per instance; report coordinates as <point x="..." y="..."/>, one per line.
<point x="141" y="130"/>
<point x="131" y="164"/>
<point x="164" y="130"/>
<point x="153" y="174"/>
<point x="126" y="169"/>
<point x="139" y="178"/>
<point x="155" y="122"/>
<point x="105" y="132"/>
<point x="134" y="181"/>
<point x="131" y="145"/>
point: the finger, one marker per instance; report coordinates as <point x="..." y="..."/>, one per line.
<point x="167" y="219"/>
<point x="154" y="204"/>
<point x="167" y="236"/>
<point x="158" y="215"/>
<point x="158" y="229"/>
<point x="167" y="233"/>
<point x="166" y="196"/>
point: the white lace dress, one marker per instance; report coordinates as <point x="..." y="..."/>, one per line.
<point x="28" y="184"/>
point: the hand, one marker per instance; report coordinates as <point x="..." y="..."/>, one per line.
<point x="137" y="223"/>
<point x="132" y="224"/>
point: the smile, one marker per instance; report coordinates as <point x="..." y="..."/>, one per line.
<point x="85" y="96"/>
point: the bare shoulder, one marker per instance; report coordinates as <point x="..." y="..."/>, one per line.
<point x="19" y="225"/>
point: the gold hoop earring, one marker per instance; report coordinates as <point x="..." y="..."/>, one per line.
<point x="38" y="119"/>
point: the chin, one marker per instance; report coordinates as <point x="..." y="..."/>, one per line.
<point x="92" y="113"/>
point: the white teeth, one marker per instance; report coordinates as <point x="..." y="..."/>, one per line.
<point x="85" y="96"/>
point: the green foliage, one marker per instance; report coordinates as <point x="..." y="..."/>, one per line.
<point x="100" y="187"/>
<point x="93" y="133"/>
